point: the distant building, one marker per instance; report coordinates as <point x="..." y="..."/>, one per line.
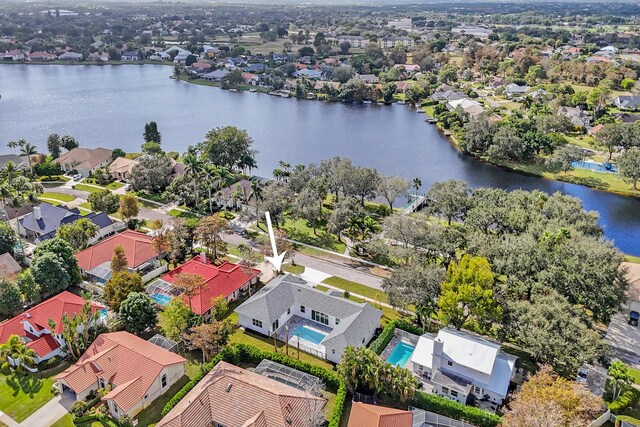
<point x="627" y="102"/>
<point x="130" y="56"/>
<point x="391" y="42"/>
<point x="70" y="56"/>
<point x="84" y="160"/>
<point x="41" y="57"/>
<point x="512" y="90"/>
<point x="121" y="168"/>
<point x="354" y="41"/>
<point x="475" y="31"/>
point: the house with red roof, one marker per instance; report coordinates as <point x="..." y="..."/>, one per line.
<point x="365" y="415"/>
<point x="142" y="258"/>
<point x="226" y="280"/>
<point x="134" y="370"/>
<point x="33" y="325"/>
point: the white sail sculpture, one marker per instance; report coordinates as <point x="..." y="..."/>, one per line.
<point x="275" y="260"/>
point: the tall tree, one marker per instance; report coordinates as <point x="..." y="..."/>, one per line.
<point x="392" y="187"/>
<point x="151" y="133"/>
<point x="68" y="142"/>
<point x="629" y="166"/>
<point x="104" y="200"/>
<point x="129" y="207"/>
<point x="190" y="285"/>
<point x="50" y="273"/>
<point x="619" y="376"/>
<point x="208" y="337"/>
<point x="119" y="260"/>
<point x="226" y="146"/>
<point x="151" y="174"/>
<point x="28" y="150"/>
<point x="467" y="294"/>
<point x="119" y="286"/>
<point x="548" y="400"/>
<point x="193" y="168"/>
<point x="10" y="299"/>
<point x="8" y="238"/>
<point x="53" y="145"/>
<point x="175" y="319"/>
<point x="137" y="313"/>
<point x="449" y="199"/>
<point x="210" y="231"/>
<point x="78" y="233"/>
<point x="64" y="253"/>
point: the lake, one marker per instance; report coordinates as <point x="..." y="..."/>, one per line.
<point x="109" y="105"/>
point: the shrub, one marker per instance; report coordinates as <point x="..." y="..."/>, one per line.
<point x="106" y="421"/>
<point x="628" y="399"/>
<point x="378" y="345"/>
<point x="455" y="410"/>
<point x="78" y="407"/>
<point x="630" y="420"/>
<point x="5" y="368"/>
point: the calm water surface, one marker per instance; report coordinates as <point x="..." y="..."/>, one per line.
<point x="109" y="105"/>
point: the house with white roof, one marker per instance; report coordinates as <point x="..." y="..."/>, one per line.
<point x="464" y="367"/>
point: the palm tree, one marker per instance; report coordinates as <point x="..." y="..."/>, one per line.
<point x="256" y="194"/>
<point x="26" y="356"/>
<point x="369" y="227"/>
<point x="222" y="180"/>
<point x="193" y="168"/>
<point x="9" y="349"/>
<point x="527" y="102"/>
<point x="235" y="196"/>
<point x="12" y="145"/>
<point x="210" y="173"/>
<point x="29" y="150"/>
<point x="417" y="183"/>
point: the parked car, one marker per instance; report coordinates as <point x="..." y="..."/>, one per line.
<point x="77" y="177"/>
<point x="633" y="318"/>
<point x="583" y="373"/>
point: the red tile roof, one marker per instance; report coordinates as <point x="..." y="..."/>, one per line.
<point x="236" y="397"/>
<point x="39" y="315"/>
<point x="43" y="345"/>
<point x="364" y="415"/>
<point x="220" y="280"/>
<point x="129" y="363"/>
<point x="137" y="248"/>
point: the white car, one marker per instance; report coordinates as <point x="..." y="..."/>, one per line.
<point x="77" y="177"/>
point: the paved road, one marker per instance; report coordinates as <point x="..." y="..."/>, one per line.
<point x="624" y="339"/>
<point x="345" y="269"/>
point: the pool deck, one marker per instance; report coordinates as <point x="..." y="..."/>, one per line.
<point x="308" y="346"/>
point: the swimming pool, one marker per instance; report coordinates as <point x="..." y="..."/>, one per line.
<point x="401" y="354"/>
<point x="103" y="313"/>
<point x="161" y="299"/>
<point x="308" y="334"/>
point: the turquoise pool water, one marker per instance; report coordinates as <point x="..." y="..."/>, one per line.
<point x="308" y="334"/>
<point x="598" y="167"/>
<point x="103" y="313"/>
<point x="401" y="354"/>
<point x="161" y="299"/>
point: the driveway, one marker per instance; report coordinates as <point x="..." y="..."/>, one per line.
<point x="51" y="412"/>
<point x="624" y="339"/>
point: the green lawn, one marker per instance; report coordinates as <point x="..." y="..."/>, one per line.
<point x="62" y="198"/>
<point x="111" y="186"/>
<point x="153" y="413"/>
<point x="636" y="375"/>
<point x="357" y="288"/>
<point x="633" y="259"/>
<point x="89" y="188"/>
<point x="293" y="269"/>
<point x="388" y="314"/>
<point x="67" y="421"/>
<point x="22" y="395"/>
<point x="176" y="213"/>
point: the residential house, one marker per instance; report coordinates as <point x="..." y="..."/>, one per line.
<point x="594" y="130"/>
<point x="19" y="162"/>
<point x="255" y="68"/>
<point x="310" y="73"/>
<point x="496" y="82"/>
<point x="243" y="187"/>
<point x="231" y="396"/>
<point x="135" y="371"/>
<point x="448" y="95"/>
<point x="98" y="56"/>
<point x="578" y="117"/>
<point x="45" y="219"/>
<point x="469" y="106"/>
<point x="215" y="76"/>
<point x="227" y="280"/>
<point x="402" y="86"/>
<point x="84" y="160"/>
<point x="9" y="267"/>
<point x="95" y="261"/>
<point x="320" y="322"/>
<point x="251" y="79"/>
<point x="368" y="78"/>
<point x="354" y="41"/>
<point x="130" y="56"/>
<point x="512" y="90"/>
<point x="12" y="55"/>
<point x="409" y="68"/>
<point x="210" y="51"/>
<point x="365" y="415"/>
<point x="463" y="366"/>
<point x="160" y="56"/>
<point x="97" y="44"/>
<point x="70" y="56"/>
<point x="121" y="168"/>
<point x="627" y="102"/>
<point x="391" y="42"/>
<point x="201" y="67"/>
<point x="34" y="324"/>
<point x="181" y="54"/>
<point x="41" y="57"/>
<point x="321" y="84"/>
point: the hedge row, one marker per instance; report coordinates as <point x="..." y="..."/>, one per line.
<point x="626" y="400"/>
<point x="106" y="421"/>
<point x="240" y="353"/>
<point x="455" y="410"/>
<point x="631" y="420"/>
<point x="379" y="344"/>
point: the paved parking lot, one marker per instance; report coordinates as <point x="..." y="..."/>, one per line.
<point x="624" y="340"/>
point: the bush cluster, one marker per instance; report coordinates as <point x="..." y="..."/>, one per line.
<point x="628" y="399"/>
<point x="455" y="410"/>
<point x="378" y="345"/>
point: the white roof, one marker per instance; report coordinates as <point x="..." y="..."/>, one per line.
<point x="501" y="375"/>
<point x="468" y="350"/>
<point x="464" y="103"/>
<point x="423" y="353"/>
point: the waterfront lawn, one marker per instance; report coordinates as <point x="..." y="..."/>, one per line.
<point x="633" y="259"/>
<point x="21" y="395"/>
<point x="49" y="196"/>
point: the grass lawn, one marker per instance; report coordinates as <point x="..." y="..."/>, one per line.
<point x="67" y="421"/>
<point x="293" y="269"/>
<point x="63" y="198"/>
<point x="631" y="258"/>
<point x="22" y="395"/>
<point x="176" y="213"/>
<point x="266" y="344"/>
<point x="89" y="188"/>
<point x="636" y="375"/>
<point x="388" y="314"/>
<point x="357" y="288"/>
<point x="299" y="230"/>
<point x="233" y="250"/>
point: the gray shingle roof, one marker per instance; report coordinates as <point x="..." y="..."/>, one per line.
<point x="273" y="300"/>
